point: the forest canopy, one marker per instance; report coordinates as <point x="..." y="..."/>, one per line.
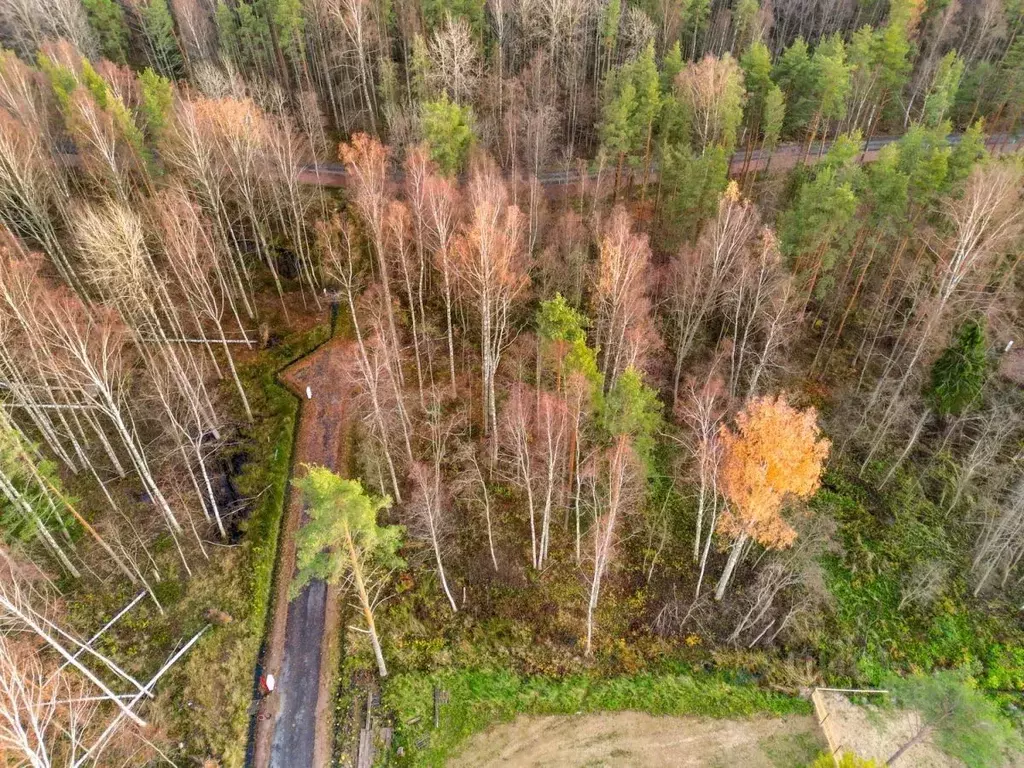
<point x="509" y="326"/>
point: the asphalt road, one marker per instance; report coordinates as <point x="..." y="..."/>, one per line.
<point x="783" y="157"/>
<point x="295" y="732"/>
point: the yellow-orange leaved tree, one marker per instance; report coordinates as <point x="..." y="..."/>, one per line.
<point x="775" y="454"/>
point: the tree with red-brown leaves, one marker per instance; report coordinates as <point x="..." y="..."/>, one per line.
<point x="366" y="160"/>
<point x="430" y="504"/>
<point x="490" y="265"/>
<point x="189" y="149"/>
<point x="441" y="198"/>
<point x="703" y="272"/>
<point x="624" y="331"/>
<point x="340" y="266"/>
<point x="536" y="426"/>
<point x="199" y="270"/>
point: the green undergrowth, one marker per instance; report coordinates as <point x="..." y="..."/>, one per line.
<point x="887" y="538"/>
<point x="478" y="698"/>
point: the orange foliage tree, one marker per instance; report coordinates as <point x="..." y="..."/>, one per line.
<point x="775" y="454"/>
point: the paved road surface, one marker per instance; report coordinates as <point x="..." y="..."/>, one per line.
<point x="297" y="733"/>
<point x="783" y="157"/>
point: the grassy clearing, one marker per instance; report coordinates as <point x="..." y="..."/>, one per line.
<point x="480" y="698"/>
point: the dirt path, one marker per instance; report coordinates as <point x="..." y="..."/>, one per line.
<point x="635" y="740"/>
<point x="302" y="642"/>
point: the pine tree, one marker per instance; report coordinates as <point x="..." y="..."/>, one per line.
<point x="473" y="11"/>
<point x="644" y="73"/>
<point x="796" y="76"/>
<point x="814" y="229"/>
<point x="924" y="157"/>
<point x="610" y="30"/>
<point x="756" y="63"/>
<point x="28" y="507"/>
<point x="959" y="374"/>
<point x="978" y="93"/>
<point x="158" y="27"/>
<point x="692" y="185"/>
<point x="618" y="128"/>
<point x="419" y="69"/>
<point x="632" y="408"/>
<point x="342" y="540"/>
<point x="157" y="101"/>
<point x="968" y="152"/>
<point x="673" y="121"/>
<point x="562" y="332"/>
<point x="745" y="25"/>
<point x="695" y="19"/>
<point x="757" y="81"/>
<point x="559" y="323"/>
<point x="943" y="91"/>
<point x="107" y="18"/>
<point x="832" y="84"/>
<point x="448" y="131"/>
<point x="952" y="712"/>
<point x="671" y="66"/>
<point x="1010" y="85"/>
<point x="891" y="59"/>
<point x="289" y="25"/>
<point x="774" y="117"/>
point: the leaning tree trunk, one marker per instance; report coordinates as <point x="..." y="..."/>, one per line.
<point x="364" y="602"/>
<point x="918" y="738"/>
<point x="910" y="446"/>
<point x="730" y="565"/>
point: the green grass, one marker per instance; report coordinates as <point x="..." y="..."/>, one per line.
<point x="479" y="698"/>
<point x="792" y="750"/>
<point x="871" y="635"/>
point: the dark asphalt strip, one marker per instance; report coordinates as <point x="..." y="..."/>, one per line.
<point x="294" y="732"/>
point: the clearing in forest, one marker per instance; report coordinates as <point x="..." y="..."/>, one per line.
<point x="635" y="740"/>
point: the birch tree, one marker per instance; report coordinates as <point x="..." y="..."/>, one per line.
<point x="189" y="149"/>
<point x="615" y="491"/>
<point x="430" y="504"/>
<point x="774" y="456"/>
<point x="197" y="265"/>
<point x="490" y="265"/>
<point x="441" y="200"/>
<point x="702" y="273"/>
<point x="455" y="60"/>
<point x="703" y="411"/>
<point x="340" y="265"/>
<point x="366" y="160"/>
<point x="623" y="330"/>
